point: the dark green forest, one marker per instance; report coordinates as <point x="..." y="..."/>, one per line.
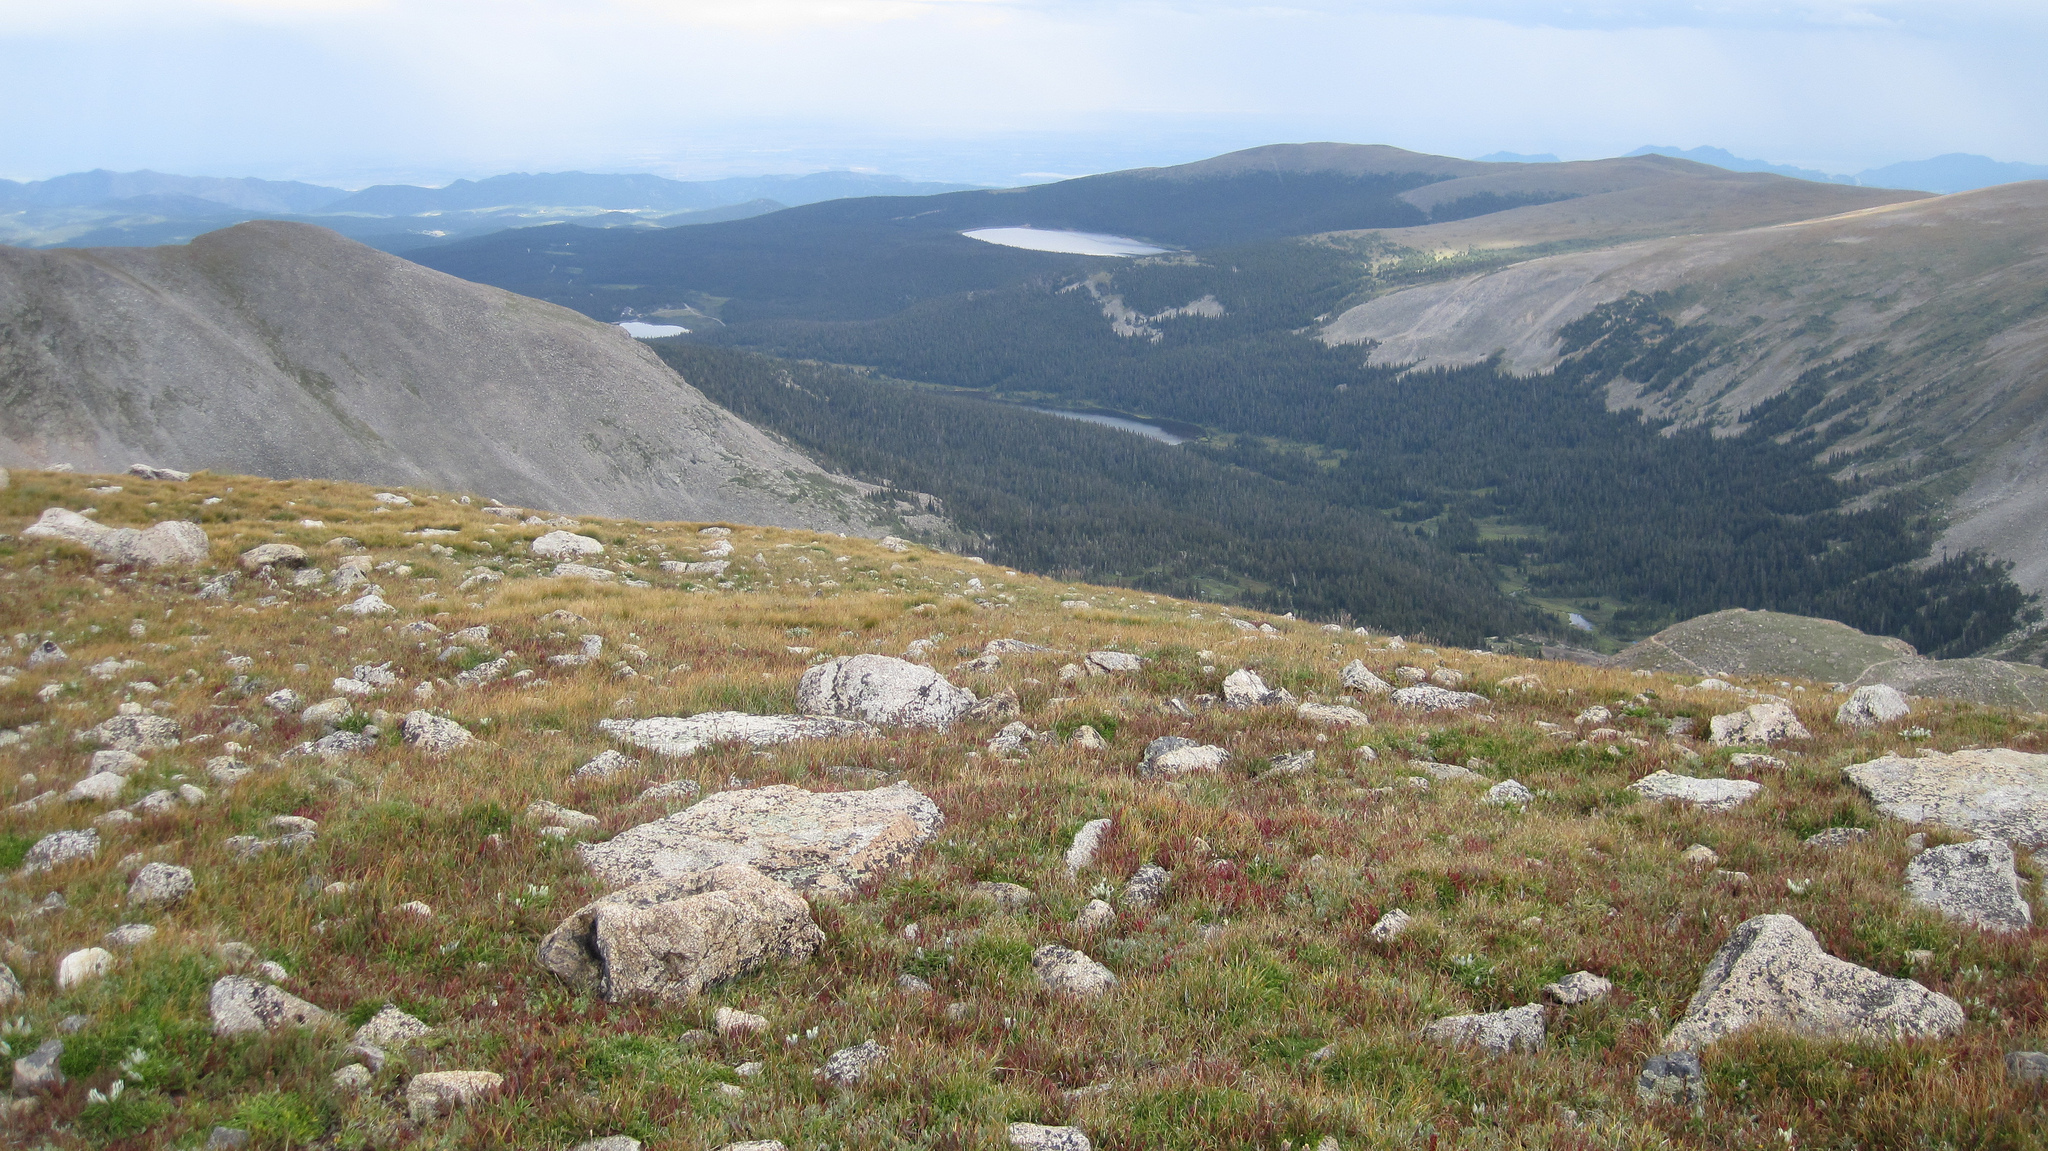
<point x="1530" y="478"/>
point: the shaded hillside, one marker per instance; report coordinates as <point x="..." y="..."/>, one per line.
<point x="285" y="350"/>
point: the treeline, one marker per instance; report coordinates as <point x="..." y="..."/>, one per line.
<point x="1085" y="502"/>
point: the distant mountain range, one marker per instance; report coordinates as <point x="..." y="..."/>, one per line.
<point x="1954" y="172"/>
<point x="129" y="209"/>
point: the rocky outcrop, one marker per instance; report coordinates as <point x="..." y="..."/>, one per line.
<point x="882" y="690"/>
<point x="680" y="736"/>
<point x="1772" y="972"/>
<point x="1972" y="883"/>
<point x="668" y="939"/>
<point x="1994" y="792"/>
<point x="814" y="841"/>
<point x="168" y="544"/>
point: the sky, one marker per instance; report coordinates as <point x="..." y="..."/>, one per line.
<point x="355" y="92"/>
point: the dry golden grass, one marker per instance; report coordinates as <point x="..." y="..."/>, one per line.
<point x="1250" y="965"/>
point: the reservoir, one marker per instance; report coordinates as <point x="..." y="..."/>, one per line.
<point x="1121" y="423"/>
<point x="1073" y="243"/>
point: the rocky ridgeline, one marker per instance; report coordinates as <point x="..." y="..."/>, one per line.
<point x="402" y="797"/>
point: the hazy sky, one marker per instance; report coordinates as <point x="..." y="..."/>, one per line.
<point x="998" y="91"/>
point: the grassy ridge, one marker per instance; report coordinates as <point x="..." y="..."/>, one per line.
<point x="1257" y="958"/>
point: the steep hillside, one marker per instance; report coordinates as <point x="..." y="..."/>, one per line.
<point x="1908" y="341"/>
<point x="333" y="837"/>
<point x="286" y="350"/>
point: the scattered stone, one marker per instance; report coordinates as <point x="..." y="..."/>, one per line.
<point x="880" y="689"/>
<point x="1971" y="883"/>
<point x="135" y="732"/>
<point x="1008" y="896"/>
<point x="605" y="765"/>
<point x="147" y="472"/>
<point x="1096" y="916"/>
<point x="1578" y="987"/>
<point x="1508" y="792"/>
<point x="103" y="787"/>
<point x="1065" y="971"/>
<point x="1035" y="1137"/>
<point x="911" y="985"/>
<point x="822" y="841"/>
<point x="1429" y="698"/>
<point x="1243" y="688"/>
<point x="1447" y="772"/>
<point x="761" y="1144"/>
<point x="1107" y="662"/>
<point x="849" y="1065"/>
<point x="1147" y="886"/>
<point x="1996" y="792"/>
<point x="1390" y="925"/>
<point x="418" y="907"/>
<point x="1089" y="739"/>
<point x="391" y="1030"/>
<point x="733" y="1024"/>
<point x="243" y="1006"/>
<point x="82" y="967"/>
<point x="1672" y="1078"/>
<point x="38" y="1071"/>
<point x="435" y="1094"/>
<point x="667" y="939"/>
<point x="273" y="555"/>
<point x="369" y="604"/>
<point x="1447" y="677"/>
<point x="1336" y="715"/>
<point x="10" y="986"/>
<point x="1172" y="756"/>
<point x="1700" y="855"/>
<point x="1837" y="837"/>
<point x="351" y="1079"/>
<point x="59" y="848"/>
<point x="126" y="935"/>
<point x="1752" y="761"/>
<point x="1357" y="677"/>
<point x="1495" y="1032"/>
<point x="998" y="708"/>
<point x="1773" y="971"/>
<point x="559" y="545"/>
<point x="226" y="769"/>
<point x="173" y="542"/>
<point x="1873" y="705"/>
<point x="1012" y="739"/>
<point x="160" y="885"/>
<point x="680" y="736"/>
<point x="328" y="714"/>
<point x="1705" y="794"/>
<point x="1292" y="763"/>
<point x="1764" y="723"/>
<point x="433" y="734"/>
<point x="2029" y="1067"/>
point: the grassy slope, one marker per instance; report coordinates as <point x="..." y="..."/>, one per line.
<point x="1203" y="1042"/>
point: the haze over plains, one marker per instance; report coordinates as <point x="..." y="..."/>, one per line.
<point x="352" y="92"/>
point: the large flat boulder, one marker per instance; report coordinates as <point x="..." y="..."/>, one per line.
<point x="668" y="939"/>
<point x="1772" y="972"/>
<point x="813" y="841"/>
<point x="172" y="542"/>
<point x="1995" y="792"/>
<point x="1971" y="883"/>
<point x="681" y="735"/>
<point x="881" y="689"/>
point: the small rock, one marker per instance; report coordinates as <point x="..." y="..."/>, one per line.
<point x="1972" y="883"/>
<point x="1292" y="763"/>
<point x="227" y="1139"/>
<point x="1147" y="886"/>
<point x="1508" y="792"/>
<point x="1764" y="723"/>
<point x="1576" y="988"/>
<point x="544" y="812"/>
<point x="849" y="1065"/>
<point x="118" y="762"/>
<point x="560" y="545"/>
<point x="610" y="1143"/>
<point x="438" y="1093"/>
<point x="160" y="885"/>
<point x="1334" y="715"/>
<point x="1496" y="1032"/>
<point x="1357" y="677"/>
<point x="391" y="1030"/>
<point x="753" y="1145"/>
<point x="126" y="935"/>
<point x="880" y="689"/>
<point x="1065" y="971"/>
<point x="328" y="714"/>
<point x="351" y="1079"/>
<point x="1172" y="756"/>
<point x="1243" y="688"/>
<point x="433" y="734"/>
<point x="1009" y="896"/>
<point x="1106" y="662"/>
<point x="1837" y="837"/>
<point x="273" y="555"/>
<point x="38" y="1071"/>
<point x="912" y="985"/>
<point x="1430" y="698"/>
<point x="1035" y="1137"/>
<point x="2027" y="1066"/>
<point x="605" y="765"/>
<point x="1873" y="705"/>
<point x="733" y="1024"/>
<point x="1390" y="925"/>
<point x="82" y="967"/>
<point x="1674" y="1078"/>
<point x="1096" y="916"/>
<point x="243" y="1006"/>
<point x="105" y="787"/>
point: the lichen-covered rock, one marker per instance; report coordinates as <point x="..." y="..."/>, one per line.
<point x="1172" y="756"/>
<point x="1576" y="988"/>
<point x="1508" y="793"/>
<point x="1390" y="925"/>
<point x="1996" y="792"/>
<point x="1429" y="697"/>
<point x="160" y="885"/>
<point x="668" y="939"/>
<point x="1357" y="677"/>
<point x="1495" y="1032"/>
<point x="1106" y="662"/>
<point x="39" y="1070"/>
<point x="1087" y="841"/>
<point x="1675" y="1077"/>
<point x="687" y="735"/>
<point x="243" y="1006"/>
<point x="436" y="1094"/>
<point x="1147" y="886"/>
<point x="882" y="690"/>
<point x="173" y="542"/>
<point x="1065" y="971"/>
<point x="59" y="848"/>
<point x="1764" y="723"/>
<point x="849" y="1065"/>
<point x="1334" y="714"/>
<point x="135" y="732"/>
<point x="814" y="841"/>
<point x="560" y="545"/>
<point x="272" y="555"/>
<point x="1037" y="1137"/>
<point x="434" y="734"/>
<point x="391" y="1030"/>
<point x="1872" y="705"/>
<point x="1245" y="688"/>
<point x="1705" y="794"/>
<point x="1972" y="883"/>
<point x="1772" y="972"/>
